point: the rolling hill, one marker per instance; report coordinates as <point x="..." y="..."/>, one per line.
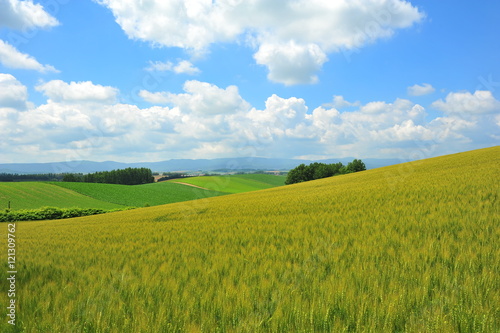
<point x="235" y="183"/>
<point x="405" y="248"/>
<point x="139" y="195"/>
<point x="33" y="195"/>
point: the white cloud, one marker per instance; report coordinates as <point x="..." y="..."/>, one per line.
<point x="13" y="94"/>
<point x="13" y="100"/>
<point x="160" y="66"/>
<point x="375" y="122"/>
<point x="406" y="131"/>
<point x="339" y="102"/>
<point x="201" y="98"/>
<point x="77" y="92"/>
<point x="84" y="121"/>
<point x="10" y="57"/>
<point x="155" y="98"/>
<point x="22" y="15"/>
<point x="286" y="34"/>
<point x="481" y="102"/>
<point x="264" y="126"/>
<point x="186" y="67"/>
<point x="189" y="24"/>
<point x="421" y="90"/>
<point x="374" y="107"/>
<point x="291" y="63"/>
<point x="182" y="67"/>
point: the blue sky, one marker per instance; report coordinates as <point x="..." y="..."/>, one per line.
<point x="152" y="80"/>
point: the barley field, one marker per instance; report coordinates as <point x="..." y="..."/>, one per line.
<point x="407" y="248"/>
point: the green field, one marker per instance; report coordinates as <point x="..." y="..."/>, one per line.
<point x="235" y="183"/>
<point x="140" y="195"/>
<point x="407" y="248"/>
<point x="33" y="195"/>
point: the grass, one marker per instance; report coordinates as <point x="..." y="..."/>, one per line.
<point x="140" y="195"/>
<point x="33" y="195"/>
<point x="407" y="248"/>
<point x="235" y="183"/>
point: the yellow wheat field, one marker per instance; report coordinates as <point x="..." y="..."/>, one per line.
<point x="406" y="248"/>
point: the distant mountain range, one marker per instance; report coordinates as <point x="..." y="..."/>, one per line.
<point x="227" y="164"/>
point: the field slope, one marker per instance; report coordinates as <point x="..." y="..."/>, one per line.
<point x="235" y="183"/>
<point x="407" y="248"/>
<point x="33" y="195"/>
<point x="139" y="195"/>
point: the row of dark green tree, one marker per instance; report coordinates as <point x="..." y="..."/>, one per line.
<point x="171" y="175"/>
<point x="14" y="177"/>
<point x="128" y="176"/>
<point x="316" y="170"/>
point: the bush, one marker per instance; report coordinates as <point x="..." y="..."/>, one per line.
<point x="48" y="213"/>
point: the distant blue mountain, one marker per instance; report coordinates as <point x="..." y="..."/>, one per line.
<point x="239" y="163"/>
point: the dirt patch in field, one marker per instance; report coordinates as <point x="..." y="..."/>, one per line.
<point x="203" y="188"/>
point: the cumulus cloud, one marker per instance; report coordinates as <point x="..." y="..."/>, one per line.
<point x="265" y="126"/>
<point x="339" y="102"/>
<point x="481" y="102"/>
<point x="291" y="63"/>
<point x="201" y="98"/>
<point x="182" y="67"/>
<point x="421" y="90"/>
<point x="10" y="57"/>
<point x="61" y="92"/>
<point x="187" y="24"/>
<point x="13" y="94"/>
<point x="155" y="98"/>
<point x="84" y="121"/>
<point x="21" y="15"/>
<point x="292" y="38"/>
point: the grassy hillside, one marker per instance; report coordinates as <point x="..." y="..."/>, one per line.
<point x="139" y="195"/>
<point x="406" y="248"/>
<point x="32" y="195"/>
<point x="236" y="183"/>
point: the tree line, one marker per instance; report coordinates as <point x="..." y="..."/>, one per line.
<point x="316" y="170"/>
<point x="171" y="175"/>
<point x="14" y="177"/>
<point x="128" y="176"/>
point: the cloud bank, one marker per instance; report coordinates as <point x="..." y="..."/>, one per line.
<point x="83" y="120"/>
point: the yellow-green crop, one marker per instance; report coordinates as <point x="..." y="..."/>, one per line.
<point x="406" y="248"/>
<point x="235" y="183"/>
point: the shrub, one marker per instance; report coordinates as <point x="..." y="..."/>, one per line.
<point x="48" y="213"/>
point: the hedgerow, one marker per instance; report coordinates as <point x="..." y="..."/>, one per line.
<point x="49" y="213"/>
